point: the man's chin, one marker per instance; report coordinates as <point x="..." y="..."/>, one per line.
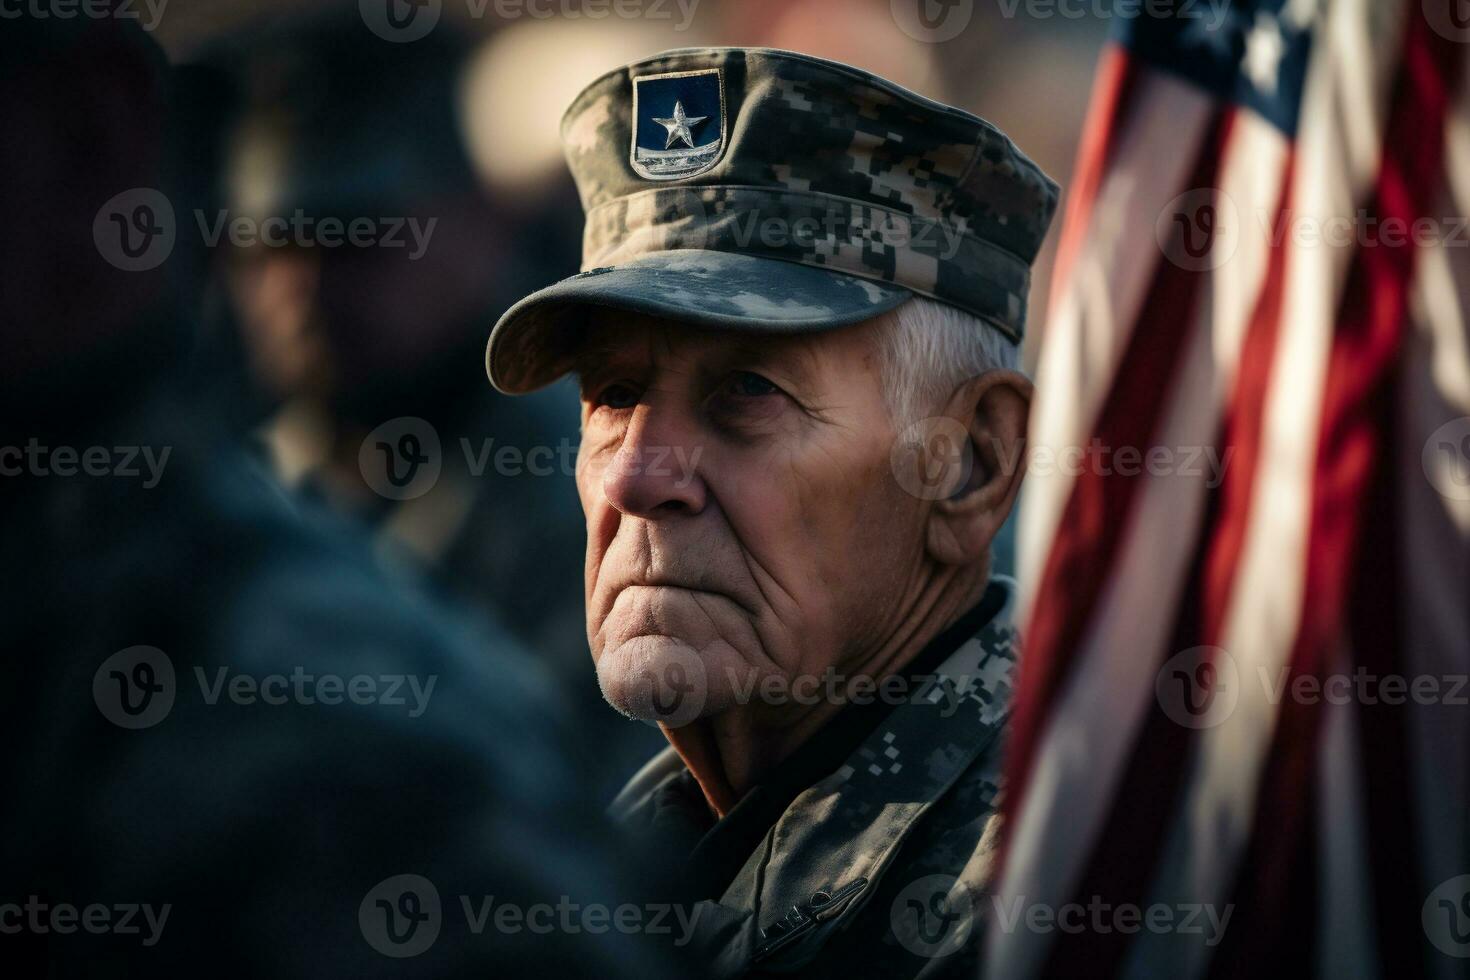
<point x="664" y="680"/>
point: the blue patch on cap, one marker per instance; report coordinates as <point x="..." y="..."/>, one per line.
<point x="678" y="123"/>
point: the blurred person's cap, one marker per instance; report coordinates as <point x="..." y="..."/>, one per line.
<point x="334" y="120"/>
<point x="762" y="190"/>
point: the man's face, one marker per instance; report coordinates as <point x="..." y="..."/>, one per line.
<point x="742" y="517"/>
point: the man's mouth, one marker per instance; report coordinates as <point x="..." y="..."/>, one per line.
<point x="687" y="587"/>
<point x="664" y="589"/>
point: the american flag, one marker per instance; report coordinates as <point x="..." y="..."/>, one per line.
<point x="1249" y="510"/>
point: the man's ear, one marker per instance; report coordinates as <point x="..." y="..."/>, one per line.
<point x="962" y="526"/>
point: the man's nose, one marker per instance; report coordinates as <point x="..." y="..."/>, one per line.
<point x="655" y="471"/>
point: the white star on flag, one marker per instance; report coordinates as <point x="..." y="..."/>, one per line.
<point x="1264" y="49"/>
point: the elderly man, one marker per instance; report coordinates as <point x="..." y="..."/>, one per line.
<point x="802" y="421"/>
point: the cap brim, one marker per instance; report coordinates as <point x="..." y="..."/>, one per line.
<point x="535" y="341"/>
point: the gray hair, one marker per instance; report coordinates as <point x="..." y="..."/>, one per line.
<point x="929" y="349"/>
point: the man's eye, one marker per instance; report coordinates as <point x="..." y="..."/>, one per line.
<point x="745" y="384"/>
<point x="617" y="395"/>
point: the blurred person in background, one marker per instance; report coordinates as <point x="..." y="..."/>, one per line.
<point x="234" y="747"/>
<point x="358" y="353"/>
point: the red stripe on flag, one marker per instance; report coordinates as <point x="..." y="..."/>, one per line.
<point x="1090" y="531"/>
<point x="1145" y="805"/>
<point x="1371" y="325"/>
<point x="1117" y="75"/>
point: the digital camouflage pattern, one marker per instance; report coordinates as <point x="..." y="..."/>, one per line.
<point x="708" y="175"/>
<point x="882" y="869"/>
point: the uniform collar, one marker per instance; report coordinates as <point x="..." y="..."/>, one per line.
<point x="724" y="846"/>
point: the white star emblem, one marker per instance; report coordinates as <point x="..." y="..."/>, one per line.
<point x="1264" y="49"/>
<point x="680" y="127"/>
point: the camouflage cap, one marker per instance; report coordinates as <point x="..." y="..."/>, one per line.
<point x="763" y="190"/>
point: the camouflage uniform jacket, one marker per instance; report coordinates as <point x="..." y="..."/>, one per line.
<point x="883" y="867"/>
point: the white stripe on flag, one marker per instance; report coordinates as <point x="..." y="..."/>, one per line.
<point x="1096" y="722"/>
<point x="1251" y="181"/>
<point x="1087" y="333"/>
<point x="1091" y="731"/>
<point x="1339" y="146"/>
